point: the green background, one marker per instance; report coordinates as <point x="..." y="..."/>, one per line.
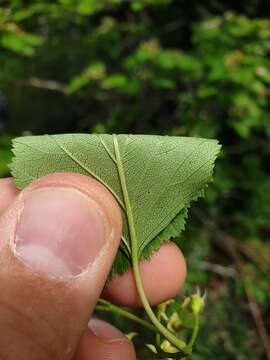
<point x="190" y="68"/>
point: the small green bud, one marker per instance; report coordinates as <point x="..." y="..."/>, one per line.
<point x="152" y="348"/>
<point x="195" y="303"/>
<point x="163" y="306"/>
<point x="174" y="322"/>
<point x="131" y="335"/>
<point x="168" y="347"/>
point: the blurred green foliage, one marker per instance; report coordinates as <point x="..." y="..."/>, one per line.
<point x="162" y="67"/>
<point x="5" y="155"/>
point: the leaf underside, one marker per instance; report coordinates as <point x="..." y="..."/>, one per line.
<point x="163" y="174"/>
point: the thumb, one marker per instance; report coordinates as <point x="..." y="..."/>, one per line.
<point x="58" y="240"/>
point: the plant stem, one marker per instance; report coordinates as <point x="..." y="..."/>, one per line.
<point x="107" y="306"/>
<point x="158" y="337"/>
<point x="180" y="344"/>
<point x="195" y="331"/>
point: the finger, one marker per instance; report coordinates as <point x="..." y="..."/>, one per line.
<point x="103" y="341"/>
<point x="58" y="240"/>
<point x="8" y="193"/>
<point x="163" y="277"/>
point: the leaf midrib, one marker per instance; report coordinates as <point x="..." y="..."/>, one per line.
<point x="122" y="179"/>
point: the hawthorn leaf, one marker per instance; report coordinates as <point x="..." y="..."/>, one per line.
<point x="153" y="178"/>
<point x="172" y="231"/>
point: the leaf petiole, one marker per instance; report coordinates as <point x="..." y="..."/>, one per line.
<point x="195" y="331"/>
<point x="104" y="305"/>
<point x="180" y="344"/>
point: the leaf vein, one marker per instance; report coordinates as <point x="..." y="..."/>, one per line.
<point x="85" y="168"/>
<point x="108" y="150"/>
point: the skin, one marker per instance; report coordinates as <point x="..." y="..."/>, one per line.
<point x="49" y="317"/>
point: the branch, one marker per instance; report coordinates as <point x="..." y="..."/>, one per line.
<point x="221" y="270"/>
<point x="37" y="83"/>
<point x="45" y="84"/>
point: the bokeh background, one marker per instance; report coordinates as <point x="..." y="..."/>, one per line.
<point x="187" y="68"/>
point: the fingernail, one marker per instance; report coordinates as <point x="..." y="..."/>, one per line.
<point x="105" y="331"/>
<point x="60" y="232"/>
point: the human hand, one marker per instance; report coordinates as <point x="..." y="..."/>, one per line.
<point x="58" y="240"/>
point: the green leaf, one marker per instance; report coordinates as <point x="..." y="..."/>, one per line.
<point x="172" y="231"/>
<point x="5" y="155"/>
<point x="21" y="42"/>
<point x="153" y="178"/>
<point x="92" y="73"/>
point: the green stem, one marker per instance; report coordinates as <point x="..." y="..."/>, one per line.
<point x="158" y="337"/>
<point x="180" y="344"/>
<point x="195" y="331"/>
<point x="107" y="306"/>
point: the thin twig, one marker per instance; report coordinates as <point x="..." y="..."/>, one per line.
<point x="221" y="270"/>
<point x="45" y="84"/>
<point x="37" y="83"/>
